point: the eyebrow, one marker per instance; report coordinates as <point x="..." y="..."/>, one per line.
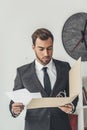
<point x="44" y="47"/>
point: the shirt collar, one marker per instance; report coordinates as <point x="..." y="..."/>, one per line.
<point x="40" y="66"/>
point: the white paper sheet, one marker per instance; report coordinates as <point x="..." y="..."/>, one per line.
<point x="22" y="96"/>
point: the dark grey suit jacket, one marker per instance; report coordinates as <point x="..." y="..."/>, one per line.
<point x="44" y="118"/>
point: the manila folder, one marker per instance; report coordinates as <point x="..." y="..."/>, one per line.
<point x="74" y="87"/>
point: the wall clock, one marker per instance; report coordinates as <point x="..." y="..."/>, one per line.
<point x="74" y="36"/>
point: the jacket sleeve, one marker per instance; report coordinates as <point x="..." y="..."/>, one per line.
<point x="17" y="85"/>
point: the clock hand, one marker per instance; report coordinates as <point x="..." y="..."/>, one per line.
<point x="85" y="27"/>
<point x="83" y="38"/>
<point x="85" y="43"/>
<point x="83" y="35"/>
<point x="77" y="44"/>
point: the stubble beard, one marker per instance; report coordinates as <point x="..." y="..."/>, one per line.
<point x="44" y="60"/>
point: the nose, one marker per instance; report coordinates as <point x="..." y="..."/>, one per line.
<point x="46" y="52"/>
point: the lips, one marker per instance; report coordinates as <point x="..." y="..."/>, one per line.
<point x="46" y="58"/>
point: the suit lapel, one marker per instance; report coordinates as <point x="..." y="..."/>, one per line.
<point x="33" y="83"/>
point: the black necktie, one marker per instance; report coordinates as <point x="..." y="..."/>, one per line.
<point x="47" y="84"/>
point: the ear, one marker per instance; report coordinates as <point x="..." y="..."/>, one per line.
<point x="33" y="47"/>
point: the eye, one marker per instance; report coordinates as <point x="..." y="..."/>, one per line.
<point x="50" y="48"/>
<point x="41" y="49"/>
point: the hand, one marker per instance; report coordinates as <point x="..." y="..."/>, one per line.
<point x="66" y="108"/>
<point x="17" y="108"/>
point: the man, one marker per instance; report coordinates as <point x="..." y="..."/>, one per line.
<point x="33" y="77"/>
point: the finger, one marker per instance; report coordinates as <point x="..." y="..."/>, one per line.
<point x="17" y="110"/>
<point x="17" y="104"/>
<point x="68" y="106"/>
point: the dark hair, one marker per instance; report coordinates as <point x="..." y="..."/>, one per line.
<point x="42" y="34"/>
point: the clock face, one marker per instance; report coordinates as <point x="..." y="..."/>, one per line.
<point x="74" y="36"/>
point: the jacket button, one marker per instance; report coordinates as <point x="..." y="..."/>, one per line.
<point x="48" y="116"/>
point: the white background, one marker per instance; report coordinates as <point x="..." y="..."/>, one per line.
<point x="18" y="20"/>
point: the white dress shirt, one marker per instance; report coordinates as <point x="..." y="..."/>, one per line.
<point x="51" y="70"/>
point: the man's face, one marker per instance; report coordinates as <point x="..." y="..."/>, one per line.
<point x="43" y="50"/>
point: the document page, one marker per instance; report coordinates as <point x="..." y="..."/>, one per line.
<point x="22" y="95"/>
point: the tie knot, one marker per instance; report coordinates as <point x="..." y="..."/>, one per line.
<point x="44" y="69"/>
